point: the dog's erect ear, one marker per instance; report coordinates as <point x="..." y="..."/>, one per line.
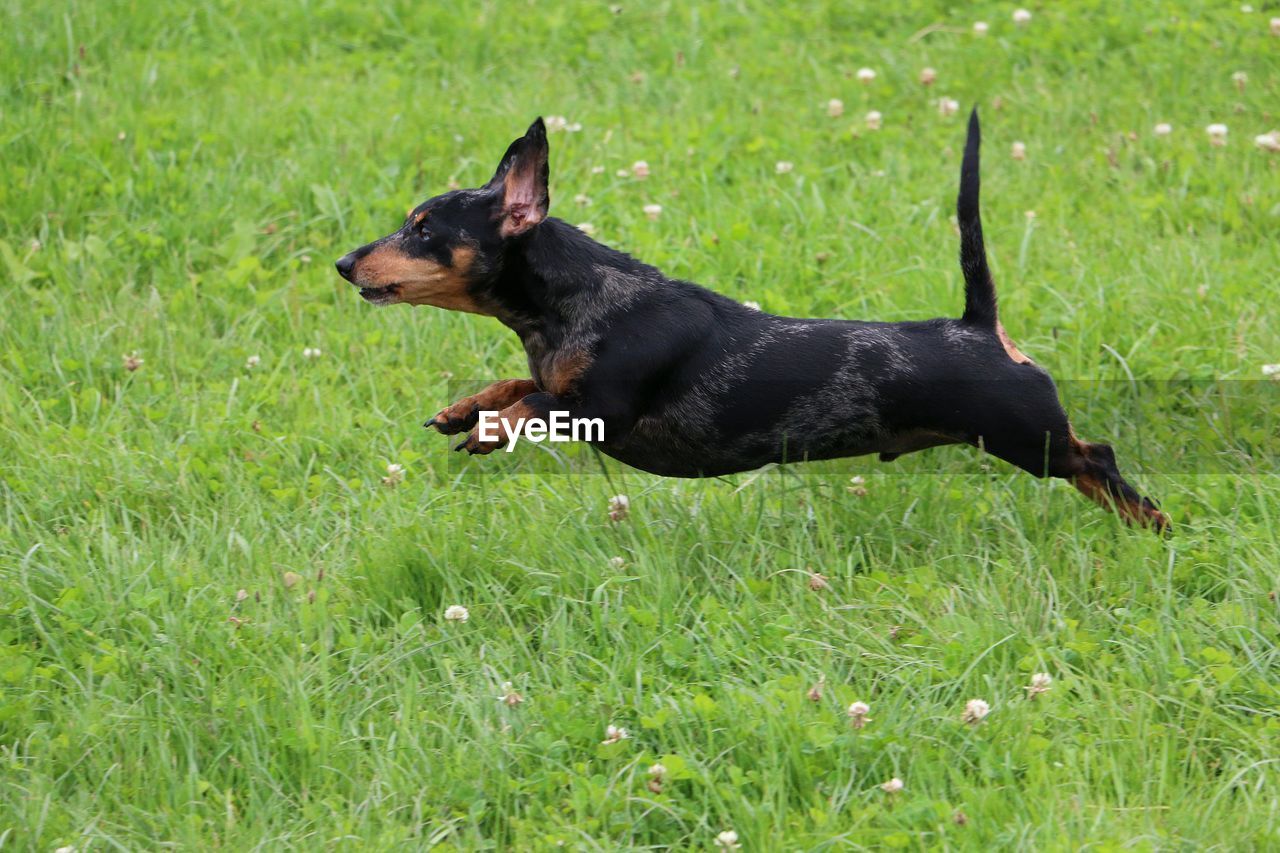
<point x="521" y="182"/>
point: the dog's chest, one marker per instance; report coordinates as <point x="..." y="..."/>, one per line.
<point x="557" y="369"/>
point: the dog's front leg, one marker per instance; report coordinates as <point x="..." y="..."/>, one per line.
<point x="537" y="406"/>
<point x="464" y="414"/>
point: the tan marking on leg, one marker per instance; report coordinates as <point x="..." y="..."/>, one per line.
<point x="1094" y="487"/>
<point x="500" y="395"/>
<point x="1133" y="512"/>
<point x="463" y="414"/>
<point x="507" y="419"/>
<point x="1009" y="347"/>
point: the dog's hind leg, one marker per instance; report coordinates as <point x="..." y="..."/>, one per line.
<point x="1026" y="426"/>
<point x="1091" y="468"/>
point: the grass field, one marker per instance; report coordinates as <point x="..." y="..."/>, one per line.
<point x="174" y="186"/>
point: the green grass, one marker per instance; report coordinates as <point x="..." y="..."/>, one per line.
<point x="189" y="175"/>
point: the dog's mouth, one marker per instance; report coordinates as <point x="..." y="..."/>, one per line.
<point x="380" y="295"/>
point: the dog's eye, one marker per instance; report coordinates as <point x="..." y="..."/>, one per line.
<point x="423" y="232"/>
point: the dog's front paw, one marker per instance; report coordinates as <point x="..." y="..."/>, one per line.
<point x="460" y="417"/>
<point x="473" y="445"/>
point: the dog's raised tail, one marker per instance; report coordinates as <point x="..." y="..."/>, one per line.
<point x="979" y="289"/>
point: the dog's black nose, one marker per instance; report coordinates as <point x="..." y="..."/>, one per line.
<point x="346" y="264"/>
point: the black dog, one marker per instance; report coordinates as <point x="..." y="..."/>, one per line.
<point x="690" y="383"/>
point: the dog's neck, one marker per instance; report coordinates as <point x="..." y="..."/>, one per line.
<point x="555" y="279"/>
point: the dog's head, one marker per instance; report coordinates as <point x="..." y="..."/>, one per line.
<point x="449" y="247"/>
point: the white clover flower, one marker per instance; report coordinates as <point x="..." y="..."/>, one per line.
<point x="818" y="582"/>
<point x="975" y="711"/>
<point x="1271" y="370"/>
<point x="858" y="485"/>
<point x="728" y="840"/>
<point x="815" y="692"/>
<point x="754" y="306"/>
<point x="653" y="211"/>
<point x="613" y="734"/>
<point x="597" y="170"/>
<point x="241" y="595"/>
<point x="395" y="474"/>
<point x="948" y="106"/>
<point x="1040" y="683"/>
<point x="1021" y="17"/>
<point x="782" y="167"/>
<point x="1275" y="26"/>
<point x="582" y="199"/>
<point x="457" y="613"/>
<point x="1247" y="9"/>
<point x="858" y="712"/>
<point x="311" y="352"/>
<point x="573" y="127"/>
<point x="555" y="123"/>
<point x="1268" y="141"/>
<point x="252" y="361"/>
<point x="893" y="786"/>
<point x="291" y="579"/>
<point x="866" y="75"/>
<point x="835" y="108"/>
<point x="1163" y="129"/>
<point x="623" y="173"/>
<point x="980" y="28"/>
<point x="928" y="76"/>
<point x="873" y="120"/>
<point x="510" y="697"/>
<point x="657" y="771"/>
<point x="1018" y="151"/>
<point x="1217" y="134"/>
<point x="587" y="228"/>
<point x="1240" y="79"/>
<point x="619" y="506"/>
<point x="132" y="361"/>
<point x="617" y="563"/>
<point x="640" y="169"/>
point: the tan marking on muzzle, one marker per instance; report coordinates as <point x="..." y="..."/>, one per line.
<point x="421" y="281"/>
